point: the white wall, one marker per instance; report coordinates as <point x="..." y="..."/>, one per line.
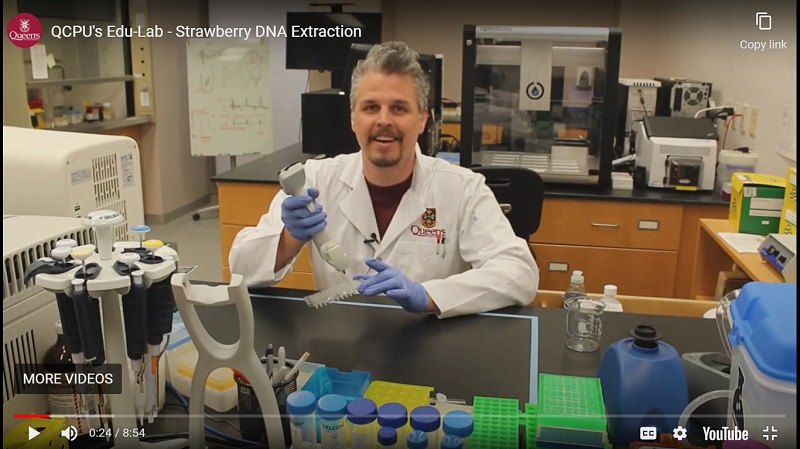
<point x="705" y="45"/>
<point x="286" y="85"/>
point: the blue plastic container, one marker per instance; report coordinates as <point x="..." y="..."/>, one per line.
<point x="332" y="381"/>
<point x="326" y="381"/>
<point x="644" y="384"/>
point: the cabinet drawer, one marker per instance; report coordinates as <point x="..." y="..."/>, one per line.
<point x="610" y="224"/>
<point x="244" y="203"/>
<point x="227" y="233"/>
<point x="635" y="272"/>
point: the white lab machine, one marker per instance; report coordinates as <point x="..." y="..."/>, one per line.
<point x="68" y="174"/>
<point x="29" y="312"/>
<point x="780" y="253"/>
<point x="675" y="153"/>
<point x="637" y="98"/>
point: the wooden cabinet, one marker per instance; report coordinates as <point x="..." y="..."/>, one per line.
<point x="646" y="249"/>
<point x="242" y="204"/>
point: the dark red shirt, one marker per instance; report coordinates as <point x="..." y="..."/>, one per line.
<point x="385" y="201"/>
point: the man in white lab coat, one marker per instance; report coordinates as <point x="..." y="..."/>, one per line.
<point x="424" y="232"/>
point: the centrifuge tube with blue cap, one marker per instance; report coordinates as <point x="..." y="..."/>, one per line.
<point x="417" y="439"/>
<point x="395" y="415"/>
<point x="451" y="442"/>
<point x="331" y="410"/>
<point x="302" y="421"/>
<point x="387" y="437"/>
<point x="362" y="413"/>
<point x="458" y="423"/>
<point x="427" y="419"/>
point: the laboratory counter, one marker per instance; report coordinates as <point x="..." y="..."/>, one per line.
<point x="264" y="170"/>
<point x="650" y="235"/>
<point x="497" y="354"/>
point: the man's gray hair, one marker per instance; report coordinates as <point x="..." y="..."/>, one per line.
<point x="396" y="58"/>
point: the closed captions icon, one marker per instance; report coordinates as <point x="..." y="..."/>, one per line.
<point x="648" y="433"/>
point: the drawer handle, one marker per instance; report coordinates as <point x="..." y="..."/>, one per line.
<point x="558" y="266"/>
<point x="605" y="225"/>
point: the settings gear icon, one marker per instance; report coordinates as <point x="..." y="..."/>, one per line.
<point x="679" y="433"/>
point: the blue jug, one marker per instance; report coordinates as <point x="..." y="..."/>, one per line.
<point x="644" y="384"/>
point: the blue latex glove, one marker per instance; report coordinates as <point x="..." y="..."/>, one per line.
<point x="299" y="221"/>
<point x="390" y="281"/>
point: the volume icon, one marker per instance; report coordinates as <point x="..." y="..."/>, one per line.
<point x="70" y="433"/>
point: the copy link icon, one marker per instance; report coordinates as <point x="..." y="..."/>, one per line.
<point x="679" y="433"/>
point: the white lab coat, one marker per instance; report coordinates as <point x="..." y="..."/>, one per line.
<point x="481" y="266"/>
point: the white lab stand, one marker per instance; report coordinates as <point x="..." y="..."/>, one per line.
<point x="212" y="354"/>
<point x="108" y="287"/>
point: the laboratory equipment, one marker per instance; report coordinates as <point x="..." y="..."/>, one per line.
<point x="635" y="99"/>
<point x="95" y="281"/>
<point x="707" y="371"/>
<point x="79" y="410"/>
<point x="730" y="162"/>
<point x="28" y="310"/>
<point x="643" y="384"/>
<point x="576" y="288"/>
<point x="302" y="420"/>
<point x="338" y="292"/>
<point x="331" y="410"/>
<point x="293" y="179"/>
<point x="584" y="323"/>
<point x="427" y="419"/>
<point x="75" y="173"/>
<point x="458" y="423"/>
<point x="680" y="97"/>
<point x="570" y="412"/>
<point x="543" y="98"/>
<point x="496" y="423"/>
<point x="763" y="341"/>
<point x="780" y="253"/>
<point x="417" y="439"/>
<point x="394" y="415"/>
<point x="212" y="354"/>
<point x="387" y="437"/>
<point x="675" y="153"/>
<point x="451" y="442"/>
<point x="361" y="414"/>
<point x="610" y="299"/>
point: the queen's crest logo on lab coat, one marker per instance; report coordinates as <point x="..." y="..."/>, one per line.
<point x="429" y="217"/>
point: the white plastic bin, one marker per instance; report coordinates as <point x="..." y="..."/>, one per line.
<point x="764" y="363"/>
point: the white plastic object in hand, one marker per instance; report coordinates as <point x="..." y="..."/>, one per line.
<point x="293" y="179"/>
<point x="141" y="231"/>
<point x="212" y="354"/>
<point x="129" y="259"/>
<point x="329" y="295"/>
<point x="103" y="222"/>
<point x="60" y="254"/>
<point x="66" y="243"/>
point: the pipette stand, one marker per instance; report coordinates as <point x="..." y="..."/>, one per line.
<point x="212" y="354"/>
<point x="108" y="287"/>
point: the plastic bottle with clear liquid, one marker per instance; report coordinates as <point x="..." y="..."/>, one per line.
<point x="65" y="399"/>
<point x="577" y="287"/>
<point x="610" y="299"/>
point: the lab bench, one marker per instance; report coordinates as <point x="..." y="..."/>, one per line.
<point x="497" y="354"/>
<point x="643" y="241"/>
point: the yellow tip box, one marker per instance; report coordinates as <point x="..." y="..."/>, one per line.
<point x="756" y="202"/>
<point x="788" y="223"/>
